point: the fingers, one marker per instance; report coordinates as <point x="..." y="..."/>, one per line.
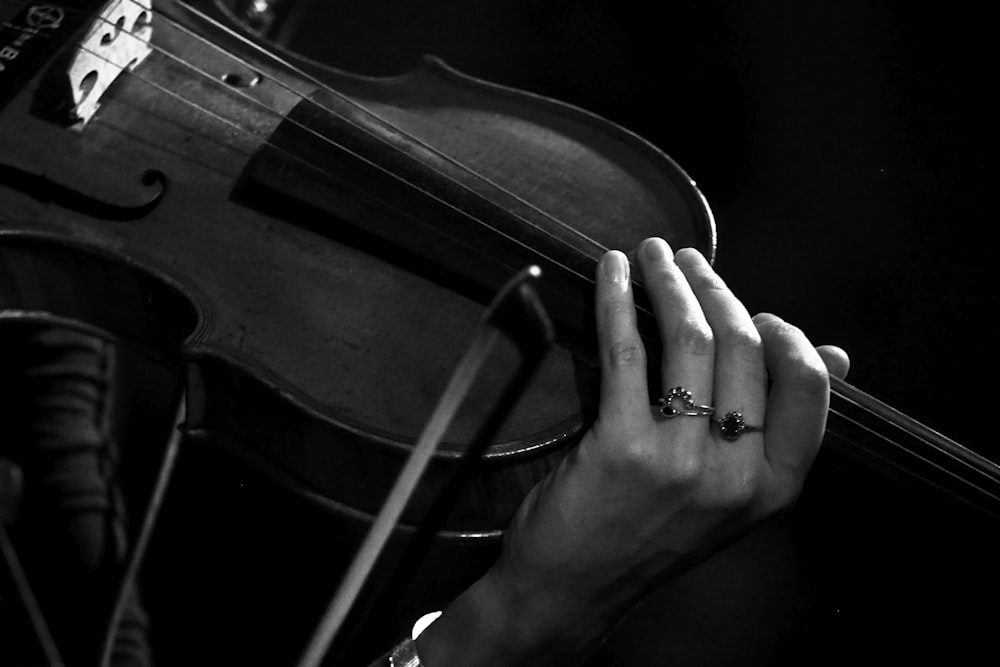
<point x="688" y="343"/>
<point x="624" y="393"/>
<point x="799" y="398"/>
<point x="740" y="380"/>
<point x="836" y="360"/>
<point x="715" y="350"/>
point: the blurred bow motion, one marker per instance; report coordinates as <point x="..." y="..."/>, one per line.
<point x="303" y="251"/>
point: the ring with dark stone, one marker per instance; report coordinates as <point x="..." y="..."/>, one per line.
<point x="733" y="425"/>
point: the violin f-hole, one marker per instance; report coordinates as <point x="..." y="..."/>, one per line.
<point x="44" y="189"/>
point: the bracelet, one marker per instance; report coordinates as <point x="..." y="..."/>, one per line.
<point x="405" y="653"/>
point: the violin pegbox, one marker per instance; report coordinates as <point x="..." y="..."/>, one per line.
<point x="116" y="41"/>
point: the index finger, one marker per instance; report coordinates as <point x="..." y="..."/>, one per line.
<point x="624" y="390"/>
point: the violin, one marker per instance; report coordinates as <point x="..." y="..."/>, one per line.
<point x="307" y="252"/>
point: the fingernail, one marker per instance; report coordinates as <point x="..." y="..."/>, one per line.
<point x="657" y="249"/>
<point x="615" y="267"/>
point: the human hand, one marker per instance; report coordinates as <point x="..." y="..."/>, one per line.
<point x="642" y="498"/>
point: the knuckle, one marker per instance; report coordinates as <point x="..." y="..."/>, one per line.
<point x="789" y="331"/>
<point x="791" y="334"/>
<point x="707" y="281"/>
<point x="631" y="459"/>
<point x="684" y="469"/>
<point x="741" y="490"/>
<point x="644" y="464"/>
<point x="804" y="366"/>
<point x="742" y="338"/>
<point x="811" y="376"/>
<point x="694" y="337"/>
<point x="778" y="327"/>
<point x="625" y="354"/>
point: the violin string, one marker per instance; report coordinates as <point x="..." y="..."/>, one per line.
<point x="893" y="443"/>
<point x="210" y="113"/>
<point x="886" y="418"/>
<point x="360" y="108"/>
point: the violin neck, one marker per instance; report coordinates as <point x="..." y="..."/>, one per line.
<point x="877" y="435"/>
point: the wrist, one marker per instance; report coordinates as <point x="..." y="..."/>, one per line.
<point x="497" y="622"/>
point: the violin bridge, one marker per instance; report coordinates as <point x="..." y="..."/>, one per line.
<point x="117" y="40"/>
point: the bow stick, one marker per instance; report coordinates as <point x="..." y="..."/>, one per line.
<point x="515" y="312"/>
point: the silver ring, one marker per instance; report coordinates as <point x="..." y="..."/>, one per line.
<point x="733" y="425"/>
<point x="666" y="406"/>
